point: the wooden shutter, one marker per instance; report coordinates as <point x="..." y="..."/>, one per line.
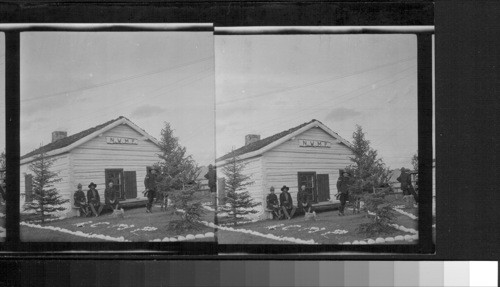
<point x="323" y="187"/>
<point x="28" y="187"/>
<point x="130" y="184"/>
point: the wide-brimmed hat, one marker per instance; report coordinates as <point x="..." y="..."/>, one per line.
<point x="285" y="187"/>
<point x="92" y="184"/>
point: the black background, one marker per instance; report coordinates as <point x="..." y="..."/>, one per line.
<point x="467" y="63"/>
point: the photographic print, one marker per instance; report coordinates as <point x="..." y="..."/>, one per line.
<point x="317" y="138"/>
<point x="117" y="135"/>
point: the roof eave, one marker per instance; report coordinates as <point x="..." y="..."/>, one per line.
<point x="93" y="135"/>
<point x="288" y="137"/>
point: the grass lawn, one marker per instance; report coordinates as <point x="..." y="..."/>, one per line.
<point x="29" y="234"/>
<point x="317" y="230"/>
<point x="321" y="230"/>
<point x="230" y="237"/>
<point x="137" y="225"/>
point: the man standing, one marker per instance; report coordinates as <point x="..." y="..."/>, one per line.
<point x="286" y="202"/>
<point x="80" y="201"/>
<point x="273" y="204"/>
<point x="405" y="180"/>
<point x="150" y="183"/>
<point x="212" y="183"/>
<point x="304" y="200"/>
<point x="343" y="188"/>
<point x="111" y="197"/>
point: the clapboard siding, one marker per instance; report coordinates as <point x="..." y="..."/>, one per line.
<point x="282" y="163"/>
<point x="253" y="169"/>
<point x="90" y="159"/>
<point x="60" y="166"/>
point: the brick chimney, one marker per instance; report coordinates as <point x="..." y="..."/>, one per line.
<point x="57" y="135"/>
<point x="251" y="138"/>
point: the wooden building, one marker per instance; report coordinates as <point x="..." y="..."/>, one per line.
<point x="117" y="151"/>
<point x="310" y="154"/>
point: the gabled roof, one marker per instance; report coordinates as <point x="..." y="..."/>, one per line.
<point x="70" y="142"/>
<point x="203" y="170"/>
<point x="263" y="145"/>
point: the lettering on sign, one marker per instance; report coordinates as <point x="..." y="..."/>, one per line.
<point x="314" y="143"/>
<point x="121" y="140"/>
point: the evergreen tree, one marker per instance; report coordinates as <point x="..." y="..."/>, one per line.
<point x="368" y="170"/>
<point x="46" y="198"/>
<point x="414" y="161"/>
<point x="3" y="162"/>
<point x="368" y="173"/>
<point x="176" y="168"/>
<point x="187" y="208"/>
<point x="238" y="201"/>
<point x="177" y="177"/>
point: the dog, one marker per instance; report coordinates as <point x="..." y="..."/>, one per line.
<point x="118" y="213"/>
<point x="310" y="216"/>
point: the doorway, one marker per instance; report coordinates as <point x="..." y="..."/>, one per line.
<point x="116" y="176"/>
<point x="309" y="180"/>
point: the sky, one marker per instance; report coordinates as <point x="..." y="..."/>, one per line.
<point x="72" y="81"/>
<point x="266" y="84"/>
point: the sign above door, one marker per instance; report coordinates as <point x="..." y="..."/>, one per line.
<point x="314" y="143"/>
<point x="121" y="140"/>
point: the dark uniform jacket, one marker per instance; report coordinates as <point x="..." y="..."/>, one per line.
<point x="150" y="181"/>
<point x="343" y="184"/>
<point x="303" y="196"/>
<point x="286" y="199"/>
<point x="79" y="198"/>
<point x="93" y="197"/>
<point x="272" y="200"/>
<point x="212" y="179"/>
<point x="110" y="195"/>
<point x="2" y="191"/>
<point x="405" y="180"/>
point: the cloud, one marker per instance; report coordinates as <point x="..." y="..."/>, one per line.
<point x="27" y="123"/>
<point x="143" y="112"/>
<point x="341" y="114"/>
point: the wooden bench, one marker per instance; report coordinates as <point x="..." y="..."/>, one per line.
<point x="75" y="210"/>
<point x="268" y="214"/>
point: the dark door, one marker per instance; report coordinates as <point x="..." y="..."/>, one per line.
<point x="130" y="184"/>
<point x="116" y="176"/>
<point x="323" y="187"/>
<point x="309" y="180"/>
<point x="28" y="187"/>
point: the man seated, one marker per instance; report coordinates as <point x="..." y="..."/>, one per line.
<point x="94" y="200"/>
<point x="286" y="202"/>
<point x="111" y="197"/>
<point x="273" y="204"/>
<point x="81" y="201"/>
<point x="304" y="200"/>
